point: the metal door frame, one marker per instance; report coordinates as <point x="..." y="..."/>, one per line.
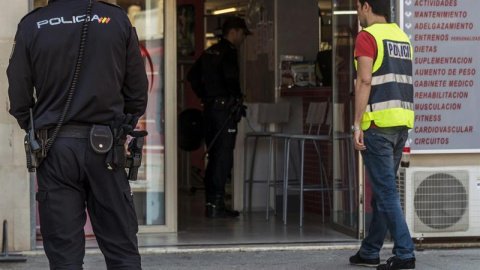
<point x="359" y="231"/>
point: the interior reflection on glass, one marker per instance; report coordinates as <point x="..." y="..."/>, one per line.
<point x="149" y="191"/>
<point x="345" y="28"/>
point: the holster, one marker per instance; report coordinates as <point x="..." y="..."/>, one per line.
<point x="35" y="148"/>
<point x="117" y="156"/>
<point x="134" y="159"/>
<point x="122" y="126"/>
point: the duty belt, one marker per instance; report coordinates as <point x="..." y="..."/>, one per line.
<point x="221" y="100"/>
<point x="71" y="131"/>
<point x="66" y="131"/>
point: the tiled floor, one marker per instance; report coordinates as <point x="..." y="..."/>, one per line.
<point x="250" y="229"/>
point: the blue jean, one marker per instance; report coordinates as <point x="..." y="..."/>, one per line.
<point x="382" y="159"/>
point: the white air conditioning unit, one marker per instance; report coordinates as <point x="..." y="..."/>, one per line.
<point x="441" y="201"/>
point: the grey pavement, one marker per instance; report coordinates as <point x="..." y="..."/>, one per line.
<point x="458" y="259"/>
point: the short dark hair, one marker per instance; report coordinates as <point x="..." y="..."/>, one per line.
<point x="379" y="7"/>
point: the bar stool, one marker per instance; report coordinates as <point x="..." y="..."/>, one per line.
<point x="317" y="114"/>
<point x="268" y="113"/>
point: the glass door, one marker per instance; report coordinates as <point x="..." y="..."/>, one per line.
<point x="155" y="199"/>
<point x="347" y="191"/>
<point x="149" y="190"/>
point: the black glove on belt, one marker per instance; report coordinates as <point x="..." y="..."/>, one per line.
<point x="122" y="126"/>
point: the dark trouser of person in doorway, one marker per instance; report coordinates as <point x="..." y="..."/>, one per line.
<point x="220" y="136"/>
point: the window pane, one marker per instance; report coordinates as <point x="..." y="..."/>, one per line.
<point x="149" y="190"/>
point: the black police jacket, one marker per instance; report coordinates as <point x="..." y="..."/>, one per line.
<point x="216" y="72"/>
<point x="112" y="77"/>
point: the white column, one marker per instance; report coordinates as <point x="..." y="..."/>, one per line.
<point x="14" y="178"/>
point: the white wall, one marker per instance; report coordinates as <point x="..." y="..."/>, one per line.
<point x="14" y="178"/>
<point x="444" y="160"/>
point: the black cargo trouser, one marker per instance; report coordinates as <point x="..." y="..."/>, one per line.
<point x="220" y="157"/>
<point x="71" y="178"/>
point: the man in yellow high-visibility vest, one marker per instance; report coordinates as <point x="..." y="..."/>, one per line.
<point x="383" y="115"/>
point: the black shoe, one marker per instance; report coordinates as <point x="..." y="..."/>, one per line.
<point x="215" y="208"/>
<point x="397" y="264"/>
<point x="357" y="260"/>
<point x="213" y="211"/>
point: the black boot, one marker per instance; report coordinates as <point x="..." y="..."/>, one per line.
<point x="215" y="208"/>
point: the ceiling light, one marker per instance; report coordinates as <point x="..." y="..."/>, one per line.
<point x="223" y="11"/>
<point x="345" y="12"/>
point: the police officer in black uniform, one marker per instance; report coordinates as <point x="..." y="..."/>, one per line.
<point x="215" y="79"/>
<point x="111" y="82"/>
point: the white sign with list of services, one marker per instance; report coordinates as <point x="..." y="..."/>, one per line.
<point x="445" y="35"/>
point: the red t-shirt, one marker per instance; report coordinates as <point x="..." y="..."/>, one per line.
<point x="365" y="45"/>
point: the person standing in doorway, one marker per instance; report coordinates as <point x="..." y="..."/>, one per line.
<point x="383" y="115"/>
<point x="215" y="78"/>
<point x="85" y="54"/>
